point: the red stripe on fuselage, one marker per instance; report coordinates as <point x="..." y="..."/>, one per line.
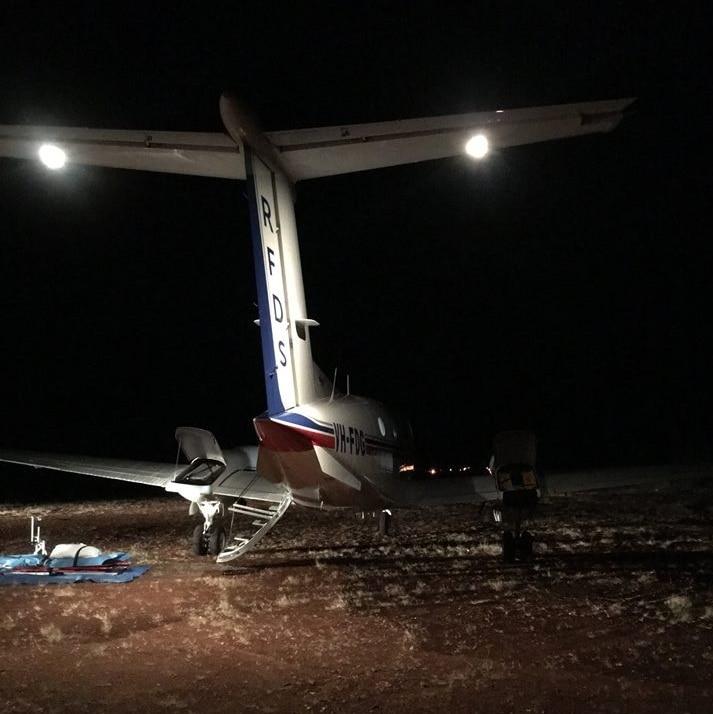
<point x="320" y="439"/>
<point x="279" y="437"/>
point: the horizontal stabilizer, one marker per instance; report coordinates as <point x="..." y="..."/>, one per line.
<point x="312" y="153"/>
<point x="173" y="152"/>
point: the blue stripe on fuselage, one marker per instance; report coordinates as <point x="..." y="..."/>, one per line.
<point x="297" y="419"/>
<point x="272" y="388"/>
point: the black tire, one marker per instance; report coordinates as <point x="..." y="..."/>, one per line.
<point x="509" y="547"/>
<point x="198" y="543"/>
<point x="384" y="523"/>
<point x="525" y="546"/>
<point x="216" y="541"/>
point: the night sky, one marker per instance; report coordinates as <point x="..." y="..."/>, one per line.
<point x="562" y="287"/>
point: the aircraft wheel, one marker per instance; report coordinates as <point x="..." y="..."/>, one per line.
<point x="525" y="545"/>
<point x="216" y="541"/>
<point x="384" y="522"/>
<point x="198" y="543"/>
<point x="509" y="547"/>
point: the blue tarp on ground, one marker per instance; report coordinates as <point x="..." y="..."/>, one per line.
<point x="33" y="569"/>
<point x="122" y="575"/>
<point x="8" y="562"/>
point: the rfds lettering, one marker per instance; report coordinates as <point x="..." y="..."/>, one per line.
<point x="273" y="269"/>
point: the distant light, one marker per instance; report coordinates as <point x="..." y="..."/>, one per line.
<point x="52" y="156"/>
<point x="477" y="146"/>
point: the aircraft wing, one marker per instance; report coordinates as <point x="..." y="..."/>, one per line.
<point x="646" y="477"/>
<point x="248" y="484"/>
<point x="481" y="488"/>
<point x="312" y="153"/>
<point x="146" y="472"/>
<point x="239" y="483"/>
<point x="450" y="490"/>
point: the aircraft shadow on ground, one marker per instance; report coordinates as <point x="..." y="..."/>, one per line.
<point x="695" y="566"/>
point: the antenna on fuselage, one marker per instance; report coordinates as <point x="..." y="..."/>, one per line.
<point x="348" y="389"/>
<point x="334" y="385"/>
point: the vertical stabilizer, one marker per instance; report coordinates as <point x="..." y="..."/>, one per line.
<point x="284" y="326"/>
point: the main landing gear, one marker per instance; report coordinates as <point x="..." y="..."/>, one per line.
<point x="383" y="517"/>
<point x="518" y="543"/>
<point x="208" y="542"/>
<point x="385" y="522"/>
<point x="210" y="538"/>
<point x="512" y="465"/>
<point x="517" y="547"/>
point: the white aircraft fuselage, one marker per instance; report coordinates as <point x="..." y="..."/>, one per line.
<point x="336" y="452"/>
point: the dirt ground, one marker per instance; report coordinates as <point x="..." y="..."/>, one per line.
<point x="614" y="615"/>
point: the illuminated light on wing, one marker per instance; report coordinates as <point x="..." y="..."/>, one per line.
<point x="477" y="146"/>
<point x="52" y="156"/>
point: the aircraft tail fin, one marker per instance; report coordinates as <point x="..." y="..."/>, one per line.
<point x="290" y="376"/>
